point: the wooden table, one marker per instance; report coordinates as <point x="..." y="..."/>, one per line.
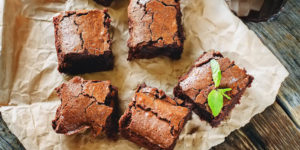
<point x="278" y="127"/>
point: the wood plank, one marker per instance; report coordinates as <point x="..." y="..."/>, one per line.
<point x="8" y="141"/>
<point x="271" y="129"/>
<point x="278" y="126"/>
<point x="282" y="36"/>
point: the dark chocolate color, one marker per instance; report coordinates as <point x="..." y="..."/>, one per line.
<point x="155" y="29"/>
<point x="269" y="9"/>
<point x="86" y="104"/>
<point x="195" y="86"/>
<point x="153" y="120"/>
<point x="82" y="41"/>
<point x="104" y="2"/>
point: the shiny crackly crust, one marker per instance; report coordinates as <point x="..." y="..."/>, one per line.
<point x="82" y="41"/>
<point x="153" y="120"/>
<point x="86" y="104"/>
<point x="155" y="29"/>
<point x="194" y="86"/>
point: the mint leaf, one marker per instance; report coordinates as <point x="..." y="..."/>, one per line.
<point x="215" y="97"/>
<point x="223" y="92"/>
<point x="215" y="102"/>
<point x="216" y="72"/>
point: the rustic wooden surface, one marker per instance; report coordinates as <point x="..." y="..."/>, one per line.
<point x="8" y="141"/>
<point x="278" y="127"/>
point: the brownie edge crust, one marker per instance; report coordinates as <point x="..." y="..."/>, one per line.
<point x="194" y="86"/>
<point x="155" y="29"/>
<point x="153" y="120"/>
<point x="83" y="42"/>
<point x="87" y="104"/>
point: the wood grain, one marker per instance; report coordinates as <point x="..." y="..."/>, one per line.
<point x="270" y="130"/>
<point x="278" y="127"/>
<point x="282" y="36"/>
<point x="8" y="141"/>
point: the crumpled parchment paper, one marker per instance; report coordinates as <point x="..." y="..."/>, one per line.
<point x="28" y="73"/>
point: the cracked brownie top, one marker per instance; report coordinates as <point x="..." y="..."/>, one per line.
<point x="155" y="117"/>
<point x="84" y="104"/>
<point x="155" y="21"/>
<point x="82" y="31"/>
<point x="198" y="82"/>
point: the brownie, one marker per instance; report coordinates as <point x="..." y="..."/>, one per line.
<point x="86" y="104"/>
<point x="82" y="41"/>
<point x="155" y="29"/>
<point x="104" y="2"/>
<point x="153" y="120"/>
<point x="194" y="86"/>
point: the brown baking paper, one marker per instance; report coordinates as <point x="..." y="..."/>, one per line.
<point x="28" y="73"/>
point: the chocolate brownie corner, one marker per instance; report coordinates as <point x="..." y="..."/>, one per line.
<point x="153" y="120"/>
<point x="194" y="86"/>
<point x="82" y="41"/>
<point x="155" y="29"/>
<point x="87" y="104"/>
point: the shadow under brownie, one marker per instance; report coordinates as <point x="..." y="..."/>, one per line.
<point x="104" y="2"/>
<point x="194" y="86"/>
<point x="153" y="120"/>
<point x="83" y="42"/>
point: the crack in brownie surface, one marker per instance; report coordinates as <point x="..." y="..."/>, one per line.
<point x="86" y="104"/>
<point x="153" y="120"/>
<point x="82" y="41"/>
<point x="195" y="86"/>
<point x="155" y="29"/>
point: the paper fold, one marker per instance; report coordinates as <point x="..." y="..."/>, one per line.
<point x="28" y="73"/>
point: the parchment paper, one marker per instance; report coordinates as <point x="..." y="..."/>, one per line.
<point x="28" y="71"/>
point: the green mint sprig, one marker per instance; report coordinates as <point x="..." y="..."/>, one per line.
<point x="216" y="72"/>
<point x="215" y="97"/>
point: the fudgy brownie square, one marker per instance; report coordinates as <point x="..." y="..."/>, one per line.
<point x="104" y="2"/>
<point x="153" y="120"/>
<point x="195" y="86"/>
<point x="155" y="29"/>
<point x="87" y="104"/>
<point x="82" y="41"/>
